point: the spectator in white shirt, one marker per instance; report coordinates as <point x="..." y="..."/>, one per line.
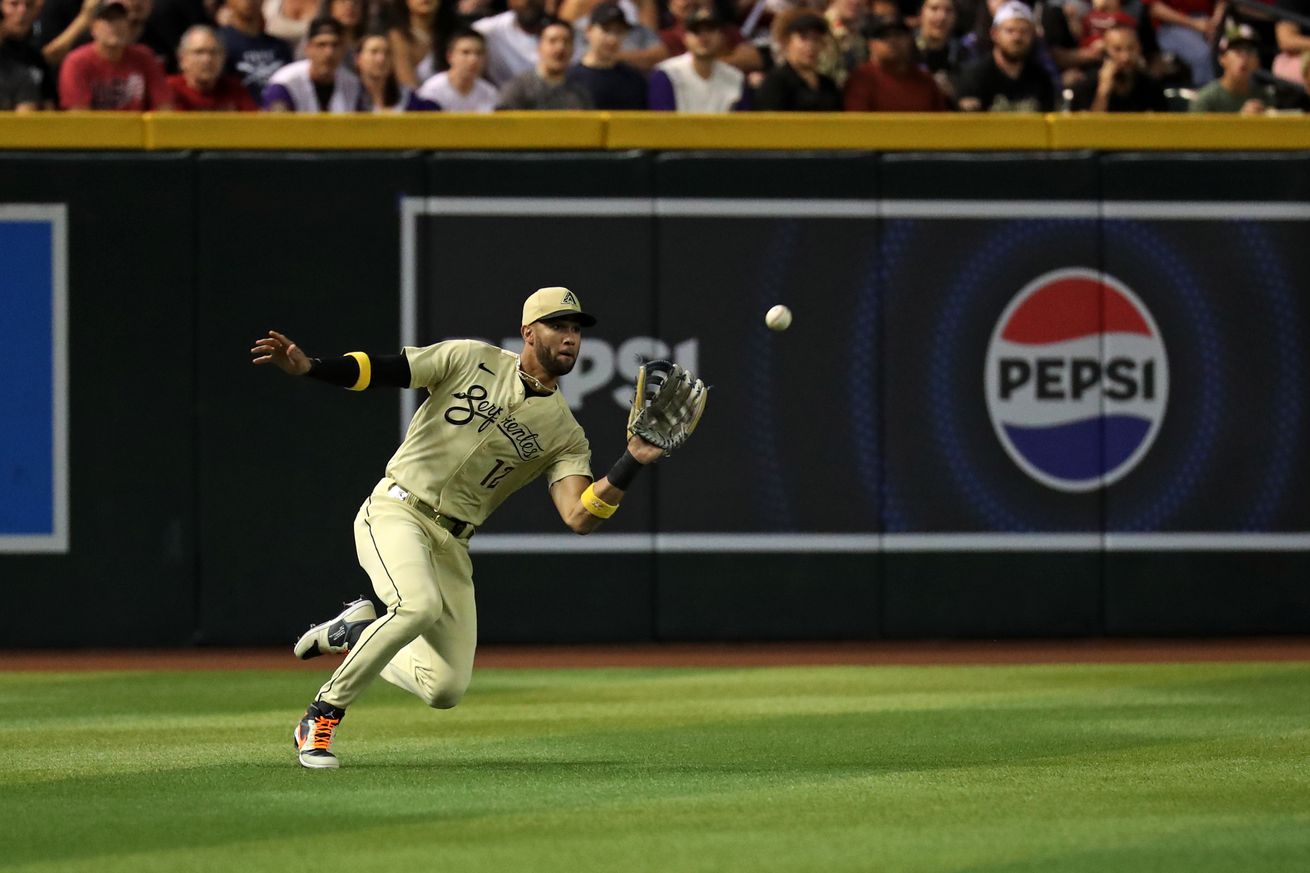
<point x="462" y="88"/>
<point x="319" y="83"/>
<point x="698" y="81"/>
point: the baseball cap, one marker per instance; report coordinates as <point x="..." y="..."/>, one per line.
<point x="807" y="22"/>
<point x="607" y="14"/>
<point x="110" y="9"/>
<point x="325" y="24"/>
<point x="702" y="16"/>
<point x="1238" y="36"/>
<point x="554" y="302"/>
<point x="884" y="27"/>
<point x="1011" y="10"/>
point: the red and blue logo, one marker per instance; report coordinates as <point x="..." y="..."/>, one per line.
<point x="1077" y="379"/>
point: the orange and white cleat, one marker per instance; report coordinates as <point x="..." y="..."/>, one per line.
<point x="313" y="736"/>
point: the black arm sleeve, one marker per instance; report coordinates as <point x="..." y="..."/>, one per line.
<point x="343" y="371"/>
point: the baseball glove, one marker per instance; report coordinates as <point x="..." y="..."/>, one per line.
<point x="667" y="405"/>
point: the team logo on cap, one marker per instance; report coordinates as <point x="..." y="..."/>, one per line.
<point x="569" y="300"/>
<point x="1077" y="379"/>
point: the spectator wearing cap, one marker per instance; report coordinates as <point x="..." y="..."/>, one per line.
<point x="1234" y="91"/>
<point x="1186" y="29"/>
<point x="548" y="86"/>
<point x="461" y="88"/>
<point x="320" y="82"/>
<point x="796" y="85"/>
<point x="1054" y="57"/>
<point x="696" y="80"/>
<point x="1009" y="78"/>
<point x="890" y="81"/>
<point x="1122" y="84"/>
<point x="734" y="49"/>
<point x="612" y="83"/>
<point x="252" y="54"/>
<point x="22" y="68"/>
<point x="641" y="48"/>
<point x="202" y="86"/>
<point x="512" y="38"/>
<point x="350" y="14"/>
<point x="938" y="48"/>
<point x="381" y="90"/>
<point x="640" y="14"/>
<point x="111" y="72"/>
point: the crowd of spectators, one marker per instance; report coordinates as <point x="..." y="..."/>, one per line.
<point x="345" y="56"/>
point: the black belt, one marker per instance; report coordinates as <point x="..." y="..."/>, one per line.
<point x="456" y="527"/>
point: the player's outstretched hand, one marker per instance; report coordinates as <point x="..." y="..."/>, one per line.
<point x="644" y="452"/>
<point x="278" y="349"/>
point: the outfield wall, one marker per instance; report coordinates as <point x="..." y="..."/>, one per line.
<point x="924" y="454"/>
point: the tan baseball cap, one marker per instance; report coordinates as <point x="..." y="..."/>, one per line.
<point x="554" y="302"/>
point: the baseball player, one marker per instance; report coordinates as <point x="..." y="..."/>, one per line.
<point x="492" y="422"/>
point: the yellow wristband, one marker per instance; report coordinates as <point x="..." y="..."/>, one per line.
<point x="595" y="505"/>
<point x="365" y="370"/>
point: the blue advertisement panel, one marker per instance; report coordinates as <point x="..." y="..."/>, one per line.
<point x="33" y="437"/>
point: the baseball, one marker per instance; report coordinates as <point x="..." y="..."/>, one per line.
<point x="778" y="318"/>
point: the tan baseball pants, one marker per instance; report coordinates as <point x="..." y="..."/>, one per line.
<point x="425" y="641"/>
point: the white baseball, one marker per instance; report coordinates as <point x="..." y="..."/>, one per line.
<point x="778" y="318"/>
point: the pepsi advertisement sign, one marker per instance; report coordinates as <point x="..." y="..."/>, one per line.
<point x="1077" y="379"/>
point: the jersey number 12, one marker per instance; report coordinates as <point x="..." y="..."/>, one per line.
<point x="498" y="472"/>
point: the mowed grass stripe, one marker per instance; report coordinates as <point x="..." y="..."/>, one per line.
<point x="1151" y="767"/>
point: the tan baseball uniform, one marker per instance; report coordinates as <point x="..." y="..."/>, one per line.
<point x="476" y="439"/>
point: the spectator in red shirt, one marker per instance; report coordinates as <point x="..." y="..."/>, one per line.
<point x="110" y="72"/>
<point x="890" y="81"/>
<point x="202" y="86"/>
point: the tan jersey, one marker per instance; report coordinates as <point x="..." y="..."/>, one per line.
<point x="479" y="436"/>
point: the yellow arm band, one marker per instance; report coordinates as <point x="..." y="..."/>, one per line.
<point x="595" y="505"/>
<point x="365" y="370"/>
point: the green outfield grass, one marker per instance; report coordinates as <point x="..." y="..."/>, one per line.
<point x="1042" y="768"/>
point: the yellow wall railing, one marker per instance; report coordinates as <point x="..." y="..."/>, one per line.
<point x="649" y="130"/>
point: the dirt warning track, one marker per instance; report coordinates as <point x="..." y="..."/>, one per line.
<point x="1092" y="651"/>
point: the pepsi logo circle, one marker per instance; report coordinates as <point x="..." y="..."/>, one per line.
<point x="1077" y="379"/>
